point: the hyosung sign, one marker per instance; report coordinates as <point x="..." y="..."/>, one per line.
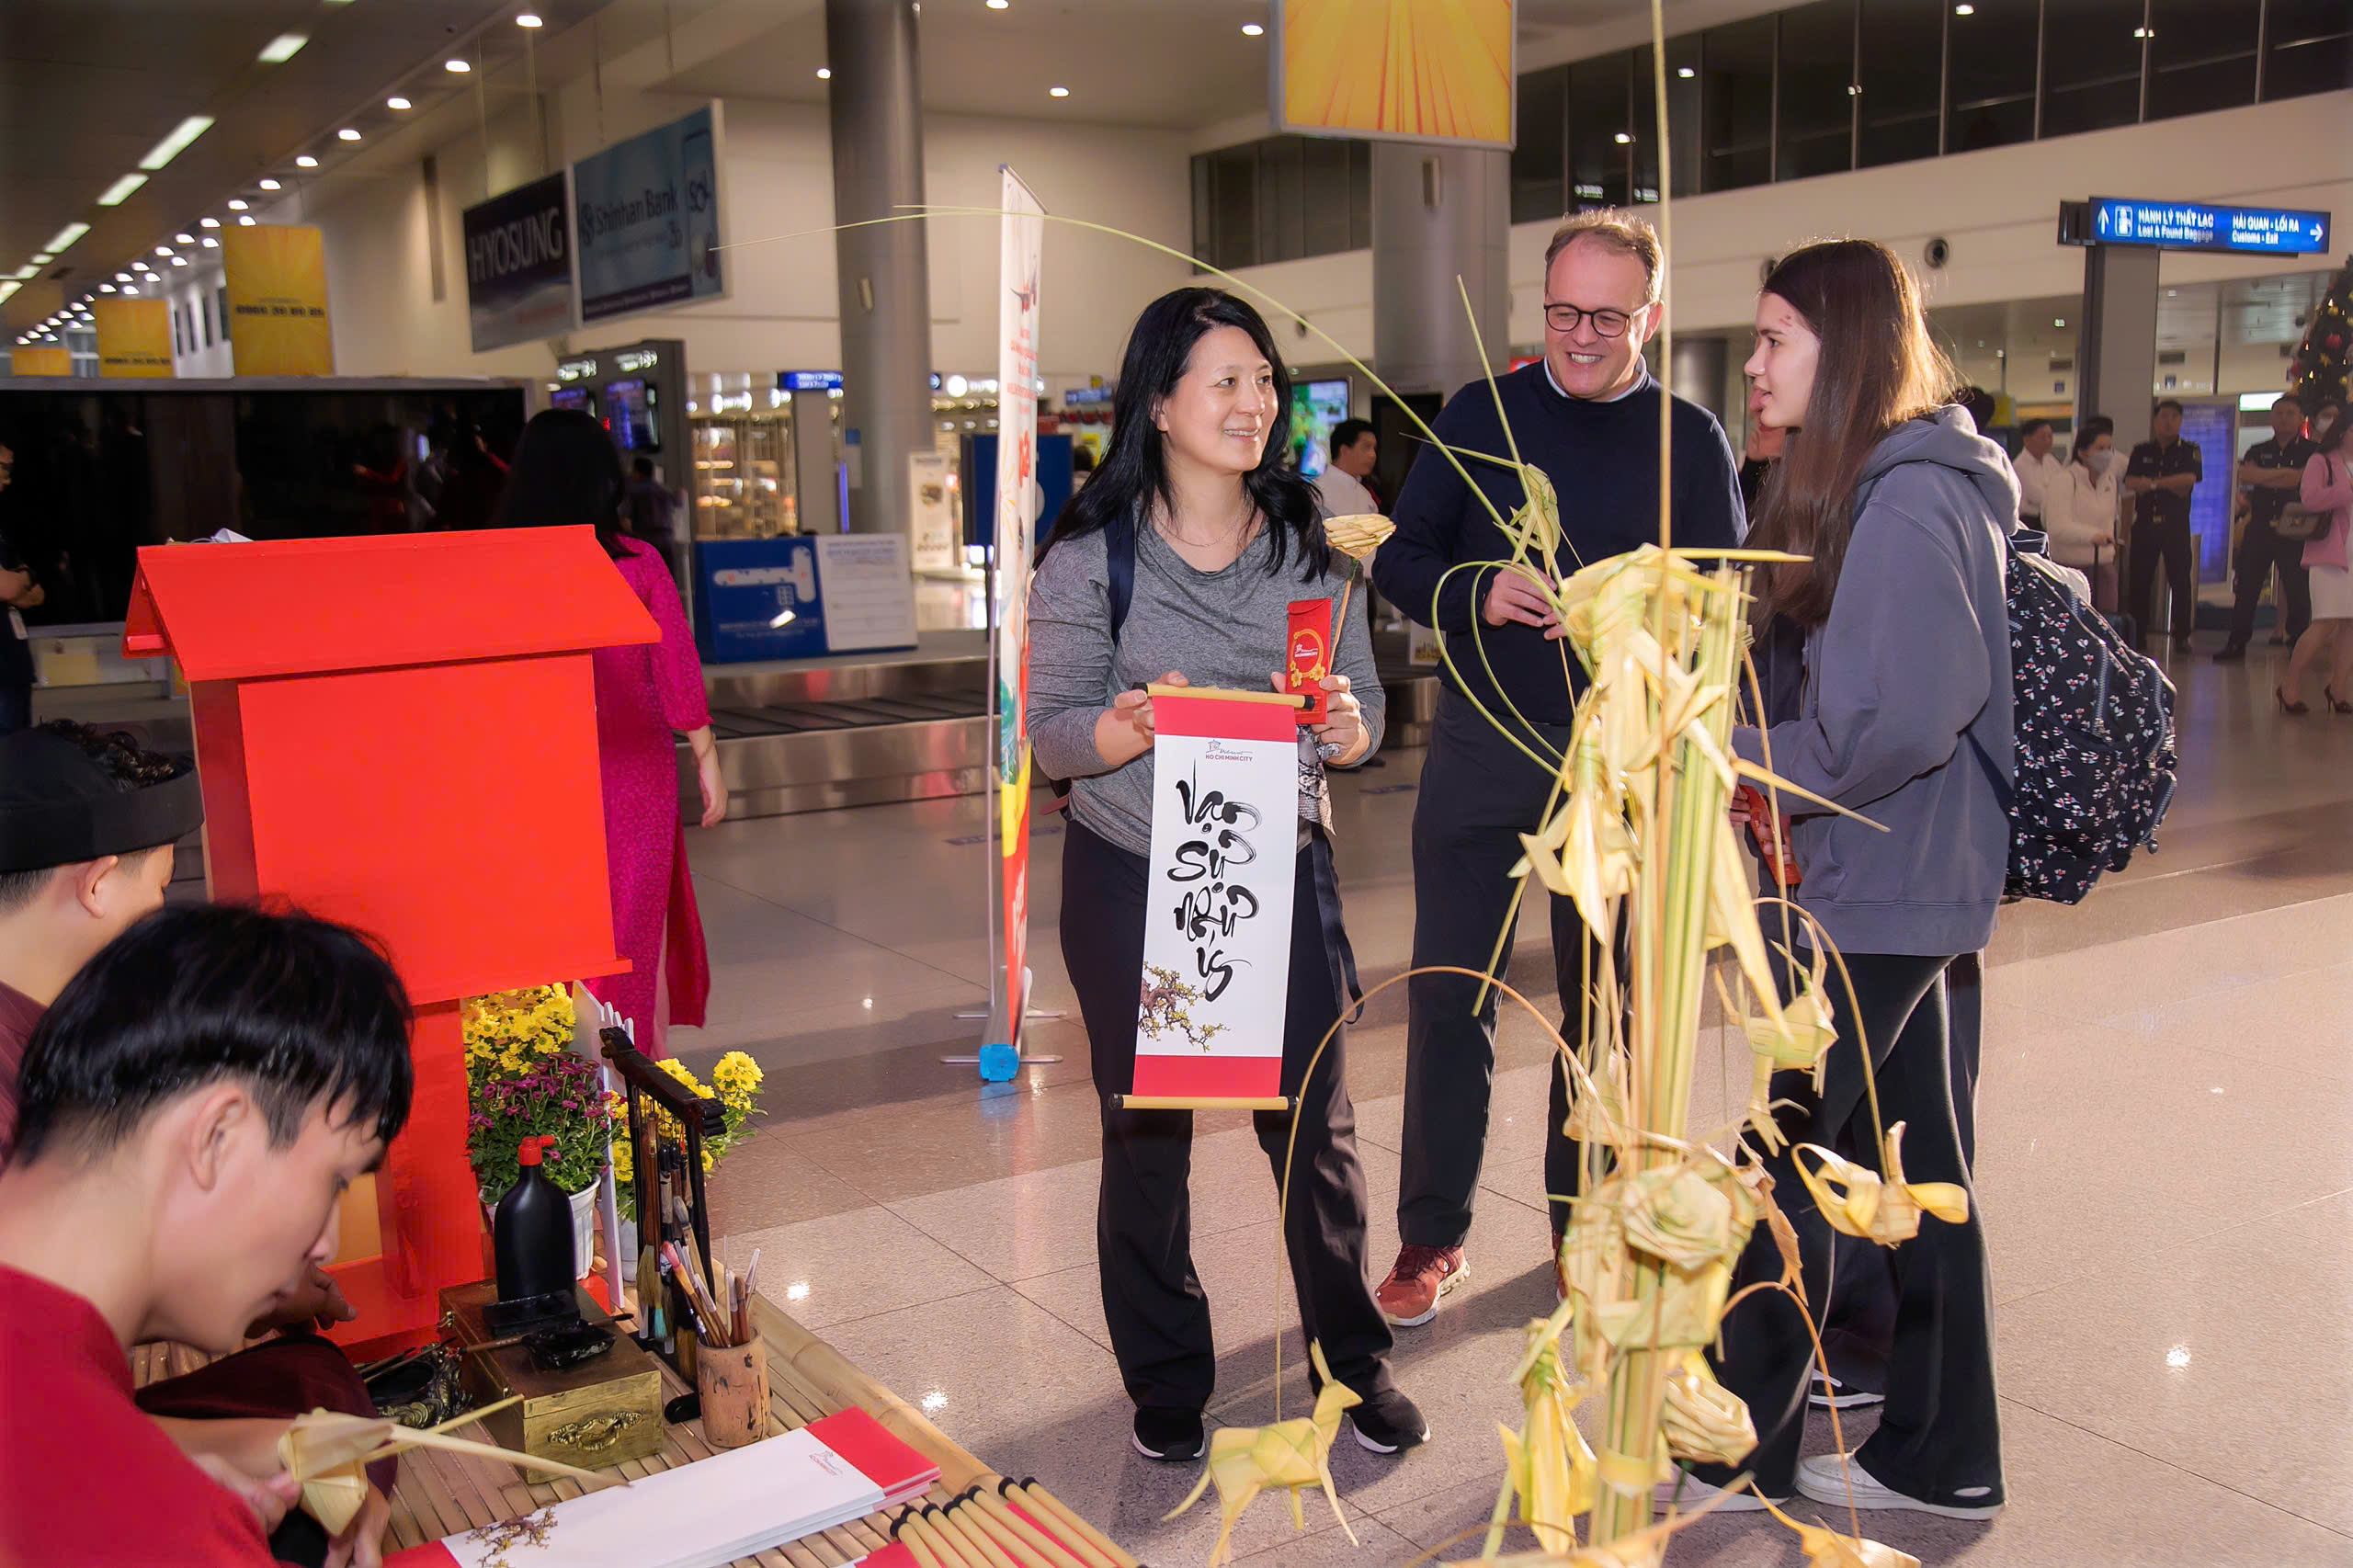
<point x="647" y="220"/>
<point x="519" y="264"/>
<point x="1216" y="980"/>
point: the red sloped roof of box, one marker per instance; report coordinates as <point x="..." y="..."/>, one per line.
<point x="304" y="607"/>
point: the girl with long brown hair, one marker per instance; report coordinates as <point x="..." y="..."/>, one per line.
<point x="1902" y="510"/>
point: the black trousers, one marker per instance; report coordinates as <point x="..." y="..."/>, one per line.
<point x="1479" y="793"/>
<point x="1153" y="1299"/>
<point x="1939" y="1434"/>
<point x="2151" y="540"/>
<point x="2260" y="553"/>
<point x="1858" y="1325"/>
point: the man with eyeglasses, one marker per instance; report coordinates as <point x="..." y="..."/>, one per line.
<point x="1587" y="415"/>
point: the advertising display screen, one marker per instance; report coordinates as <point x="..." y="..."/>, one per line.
<point x="1315" y="407"/>
<point x="628" y="414"/>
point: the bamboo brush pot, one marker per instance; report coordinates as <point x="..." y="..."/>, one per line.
<point x="734" y="1384"/>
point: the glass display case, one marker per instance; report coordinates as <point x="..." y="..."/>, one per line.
<point x="744" y="477"/>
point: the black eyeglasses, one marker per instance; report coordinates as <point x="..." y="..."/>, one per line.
<point x="1606" y="323"/>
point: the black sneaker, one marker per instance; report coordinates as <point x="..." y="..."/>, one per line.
<point x="2232" y="654"/>
<point x="1172" y="1435"/>
<point x="1389" y="1422"/>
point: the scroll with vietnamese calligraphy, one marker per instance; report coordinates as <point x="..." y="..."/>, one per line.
<point x="1218" y="909"/>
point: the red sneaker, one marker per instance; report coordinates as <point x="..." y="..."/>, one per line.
<point x="1417" y="1281"/>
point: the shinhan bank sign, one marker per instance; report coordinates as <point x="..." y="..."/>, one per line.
<point x="2197" y="225"/>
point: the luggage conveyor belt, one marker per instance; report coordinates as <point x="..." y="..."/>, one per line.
<point x="808" y="740"/>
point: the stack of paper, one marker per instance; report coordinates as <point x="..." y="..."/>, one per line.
<point x="732" y="1505"/>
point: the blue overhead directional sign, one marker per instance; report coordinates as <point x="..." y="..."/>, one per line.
<point x="2199" y="225"/>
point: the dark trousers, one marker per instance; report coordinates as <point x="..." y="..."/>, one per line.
<point x="1858" y="1325"/>
<point x="1939" y="1434"/>
<point x="1153" y="1299"/>
<point x="2260" y="553"/>
<point x="16" y="707"/>
<point x="1479" y="793"/>
<point x="2152" y="538"/>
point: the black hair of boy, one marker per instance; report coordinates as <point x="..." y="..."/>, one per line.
<point x="308" y="1013"/>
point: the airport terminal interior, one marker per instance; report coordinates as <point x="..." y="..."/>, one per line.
<point x="837" y="303"/>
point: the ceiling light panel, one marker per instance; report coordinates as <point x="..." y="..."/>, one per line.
<point x="171" y="146"/>
<point x="282" y="48"/>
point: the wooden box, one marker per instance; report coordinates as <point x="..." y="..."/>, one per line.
<point x="603" y="1413"/>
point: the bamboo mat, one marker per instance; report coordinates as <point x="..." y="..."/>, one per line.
<point x="440" y="1494"/>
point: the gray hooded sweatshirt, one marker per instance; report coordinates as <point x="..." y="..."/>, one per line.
<point x="1911" y="668"/>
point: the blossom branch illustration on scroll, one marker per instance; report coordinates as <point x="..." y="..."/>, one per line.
<point x="1160" y="1009"/>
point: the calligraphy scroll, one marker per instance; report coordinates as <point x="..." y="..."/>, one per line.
<point x="1218" y="907"/>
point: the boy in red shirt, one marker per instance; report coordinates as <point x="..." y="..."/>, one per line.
<point x="191" y="1109"/>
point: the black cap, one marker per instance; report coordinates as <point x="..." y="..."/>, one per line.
<point x="60" y="805"/>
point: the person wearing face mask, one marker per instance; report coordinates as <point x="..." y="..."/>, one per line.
<point x="1198" y="507"/>
<point x="2080" y="510"/>
<point x="1899" y="509"/>
<point x="1586" y="415"/>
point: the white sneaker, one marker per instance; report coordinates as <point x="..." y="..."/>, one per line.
<point x="1829" y="1393"/>
<point x="1686" y="1494"/>
<point x="1825" y="1479"/>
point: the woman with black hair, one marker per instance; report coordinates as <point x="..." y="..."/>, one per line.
<point x="1899" y="510"/>
<point x="567" y="473"/>
<point x="1197" y="507"/>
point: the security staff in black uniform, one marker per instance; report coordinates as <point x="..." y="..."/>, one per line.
<point x="2271" y="474"/>
<point x="2161" y="474"/>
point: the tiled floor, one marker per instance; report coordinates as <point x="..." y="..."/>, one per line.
<point x="2164" y="1171"/>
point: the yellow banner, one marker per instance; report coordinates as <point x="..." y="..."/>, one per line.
<point x="1417" y="70"/>
<point x="134" y="338"/>
<point x="278" y="301"/>
<point x="43" y="361"/>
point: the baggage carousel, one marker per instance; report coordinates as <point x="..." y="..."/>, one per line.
<point x="816" y="736"/>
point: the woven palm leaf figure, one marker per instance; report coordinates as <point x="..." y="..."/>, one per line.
<point x="1293" y="1455"/>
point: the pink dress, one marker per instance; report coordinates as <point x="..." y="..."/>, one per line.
<point x="643" y="694"/>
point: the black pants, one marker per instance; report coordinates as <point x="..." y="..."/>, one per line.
<point x="2152" y="538"/>
<point x="16" y="706"/>
<point x="1939" y="1434"/>
<point x="1152" y="1298"/>
<point x="2260" y="553"/>
<point x="1859" y="1321"/>
<point x="1479" y="793"/>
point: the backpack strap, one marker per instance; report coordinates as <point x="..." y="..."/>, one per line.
<point x="1119" y="569"/>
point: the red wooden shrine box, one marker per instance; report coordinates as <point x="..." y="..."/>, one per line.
<point x="400" y="733"/>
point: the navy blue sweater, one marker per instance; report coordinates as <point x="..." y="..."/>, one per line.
<point x="1603" y="458"/>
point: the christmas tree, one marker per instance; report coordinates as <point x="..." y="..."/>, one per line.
<point x="2318" y="371"/>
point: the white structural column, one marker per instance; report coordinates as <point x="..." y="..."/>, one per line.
<point x="1439" y="213"/>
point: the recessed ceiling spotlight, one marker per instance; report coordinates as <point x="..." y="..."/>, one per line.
<point x="460" y="66"/>
<point x="270" y="185"/>
<point x="212" y="243"/>
<point x="306" y="162"/>
<point x="184" y="239"/>
<point x="346" y="134"/>
<point x="396" y="101"/>
<point x="1058" y="92"/>
<point x="122" y="276"/>
<point x="163" y="250"/>
<point x="106" y="287"/>
<point x="1964" y="10"/>
<point x="282" y="48"/>
<point x="2058" y="321"/>
<point x="179" y="261"/>
<point x="1252" y="30"/>
<point x="130" y="289"/>
<point x="208" y="223"/>
<point x="236" y="204"/>
<point x="824" y="73"/>
<point x="1624" y="140"/>
<point x="2144" y="32"/>
<point x="1686" y="72"/>
<point x="999" y="5"/>
<point x="528" y="19"/>
<point x="245" y="220"/>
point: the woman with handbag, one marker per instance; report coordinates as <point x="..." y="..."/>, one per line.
<point x="2080" y="510"/>
<point x="1176" y="565"/>
<point x="2328" y="489"/>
